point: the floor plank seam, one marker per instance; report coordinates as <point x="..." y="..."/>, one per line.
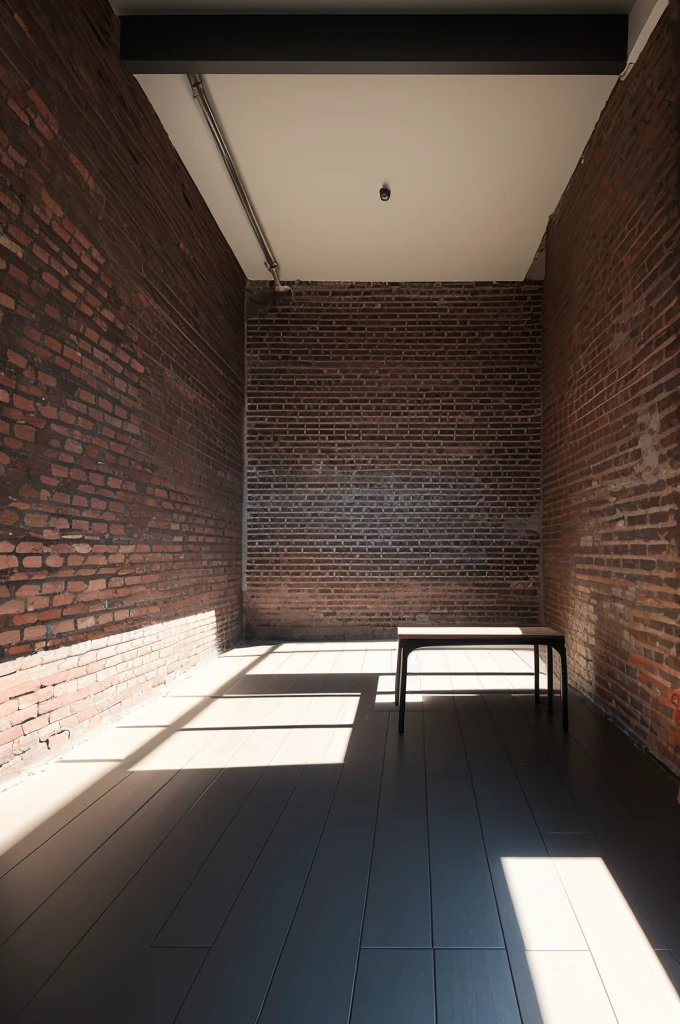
<point x="602" y="840"/>
<point x="183" y="945"/>
<point x="613" y="782"/>
<point x="202" y="864"/>
<point x="447" y="775"/>
<point x="564" y="777"/>
<point x="319" y="689"/>
<point x="293" y="947"/>
<point x="302" y="889"/>
<point x="488" y="865"/>
<point x="135" y="873"/>
<point x="518" y="779"/>
<point x="439" y="946"/>
<point x="368" y="875"/>
<point x="598" y="713"/>
<point x="264" y="769"/>
<point x="61" y="828"/>
<point x="90" y="855"/>
<point x="429" y="875"/>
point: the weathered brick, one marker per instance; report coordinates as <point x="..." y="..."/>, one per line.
<point x="393" y="437"/>
<point x="10" y="734"/>
<point x="611" y="406"/>
<point x="177" y="360"/>
<point x="59" y="740"/>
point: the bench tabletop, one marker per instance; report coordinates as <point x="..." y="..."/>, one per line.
<point x="511" y="633"/>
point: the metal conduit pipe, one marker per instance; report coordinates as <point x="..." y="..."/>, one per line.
<point x="200" y="95"/>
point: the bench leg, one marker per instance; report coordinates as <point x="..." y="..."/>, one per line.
<point x="397" y="674"/>
<point x="537" y="673"/>
<point x="564" y="687"/>
<point x="551" y="680"/>
<point x="403" y="671"/>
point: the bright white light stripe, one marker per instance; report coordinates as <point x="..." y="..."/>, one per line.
<point x="544" y="914"/>
<point x="637" y="984"/>
<point x="386" y="698"/>
<point x="249" y="748"/>
<point x="568" y="988"/>
<point x="566" y="904"/>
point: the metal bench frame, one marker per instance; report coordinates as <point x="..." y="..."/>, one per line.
<point x="550" y="639"/>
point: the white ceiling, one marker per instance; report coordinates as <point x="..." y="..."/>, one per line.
<point x="476" y="165"/>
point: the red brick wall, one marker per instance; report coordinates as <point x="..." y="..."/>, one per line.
<point x="611" y="407"/>
<point x="393" y="458"/>
<point x="121" y="388"/>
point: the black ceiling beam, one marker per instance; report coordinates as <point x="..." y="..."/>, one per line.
<point x="566" y="44"/>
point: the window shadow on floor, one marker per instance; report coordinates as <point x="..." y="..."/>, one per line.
<point x="271" y="850"/>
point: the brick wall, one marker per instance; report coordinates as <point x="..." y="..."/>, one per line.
<point x="393" y="457"/>
<point x="121" y="388"/>
<point x="611" y="407"/>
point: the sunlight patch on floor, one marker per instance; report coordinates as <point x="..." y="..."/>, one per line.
<point x="249" y="748"/>
<point x="545" y="917"/>
<point x="27" y="804"/>
<point x="568" y="988"/>
<point x="233" y="732"/>
<point x="636" y="982"/>
<point x="588" y="957"/>
<point x="387" y="698"/>
<point x="209" y="717"/>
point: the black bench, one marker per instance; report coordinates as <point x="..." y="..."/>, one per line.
<point x="413" y="638"/>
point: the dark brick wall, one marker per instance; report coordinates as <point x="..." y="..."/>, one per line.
<point x="393" y="458"/>
<point x="611" y="404"/>
<point x="121" y="388"/>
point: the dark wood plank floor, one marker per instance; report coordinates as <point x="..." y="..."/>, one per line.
<point x="260" y="846"/>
